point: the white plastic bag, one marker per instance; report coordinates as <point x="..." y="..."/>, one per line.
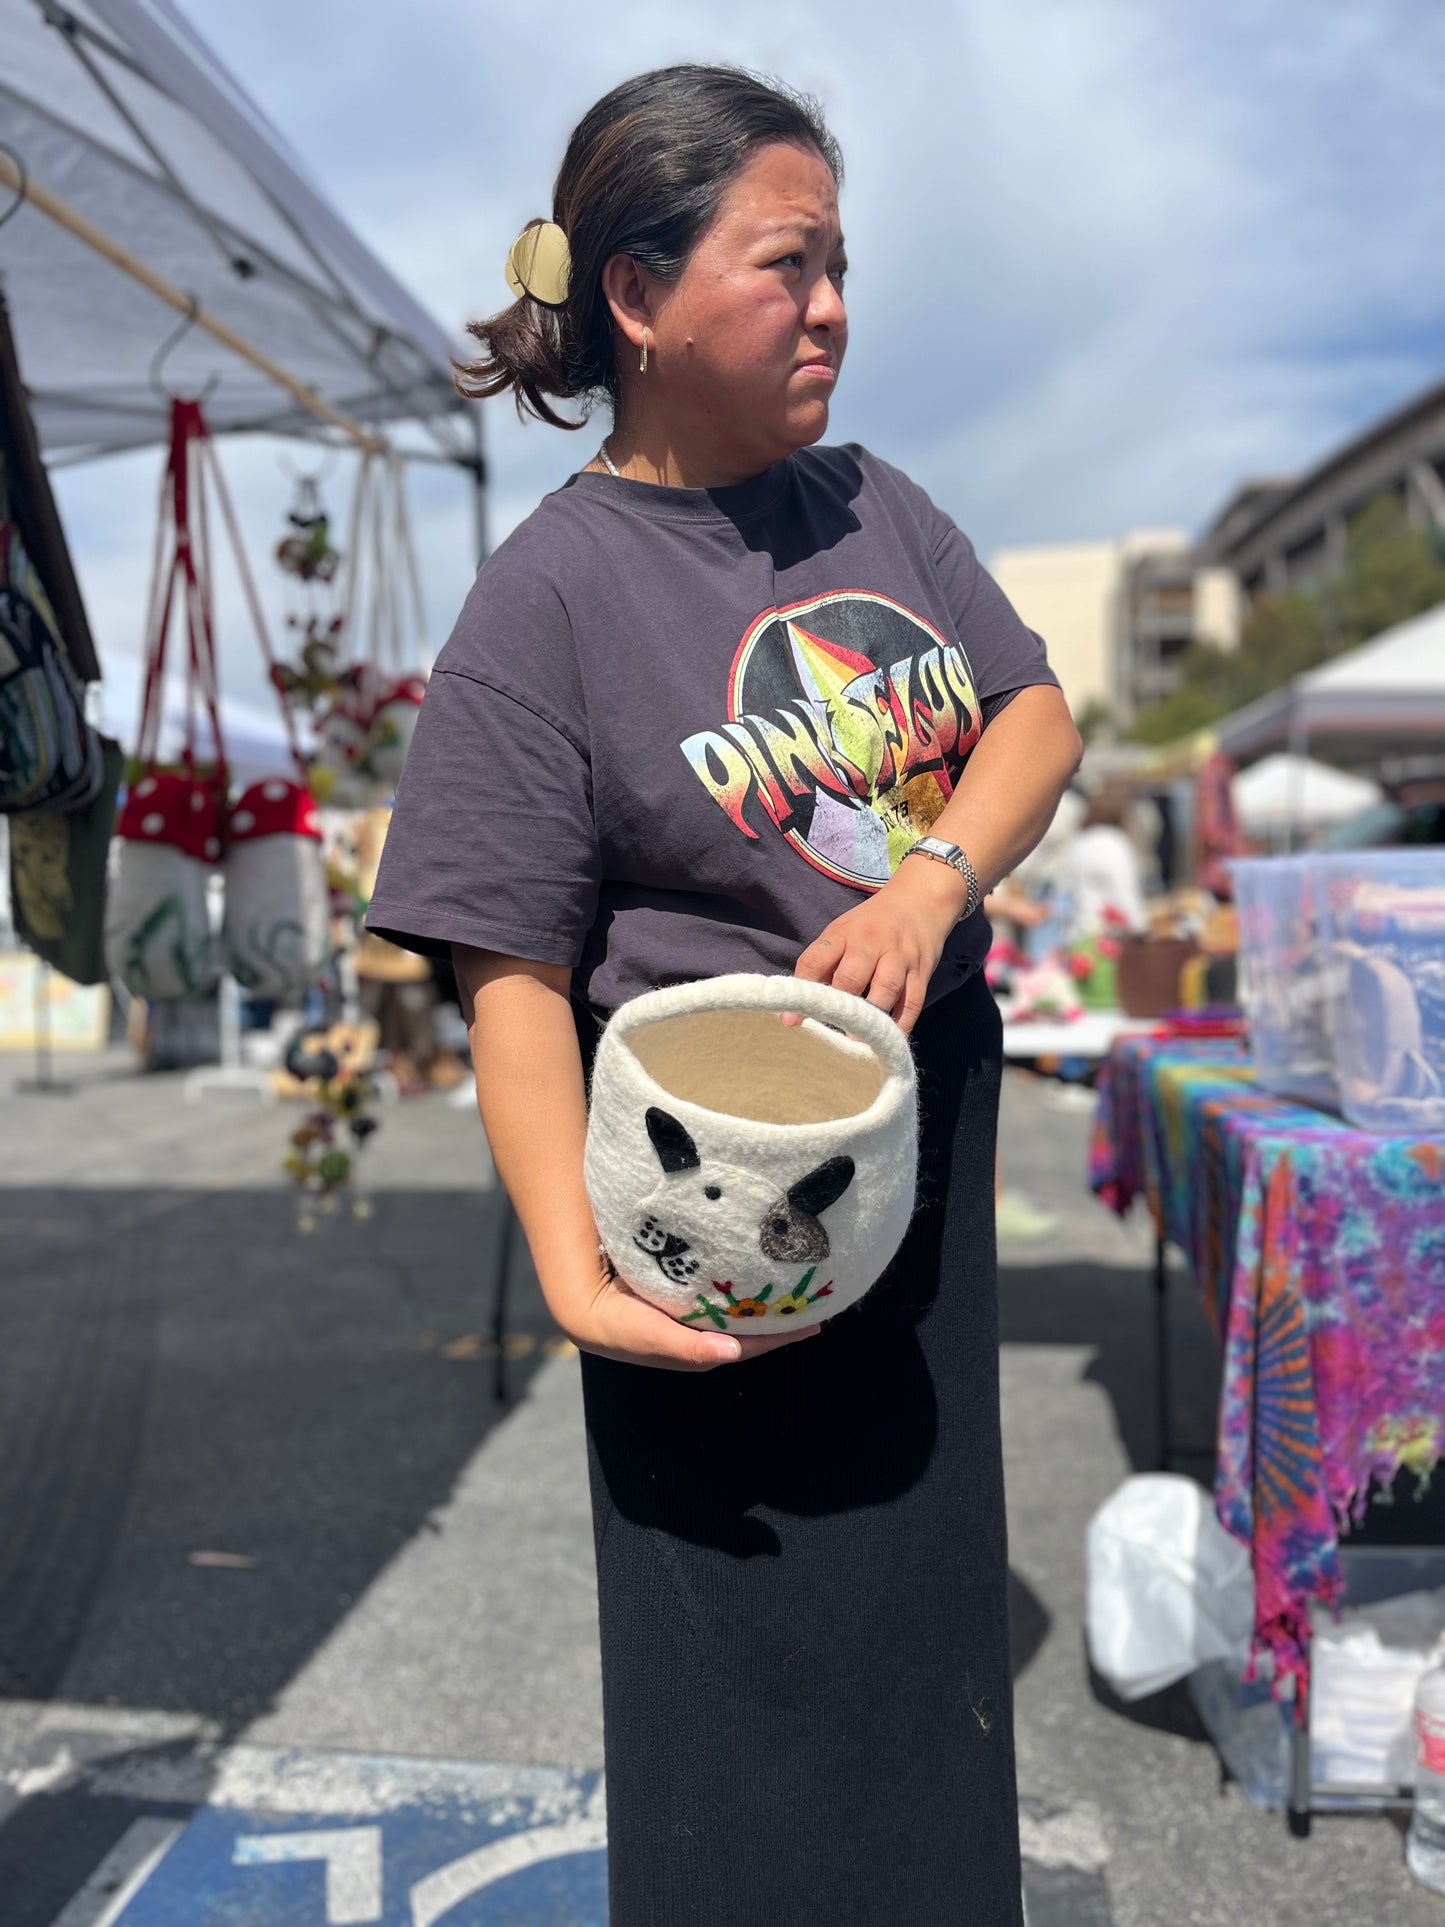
<point x="1168" y="1589"/>
<point x="1364" y="1668"/>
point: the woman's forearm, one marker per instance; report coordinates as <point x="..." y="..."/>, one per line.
<point x="533" y="1104"/>
<point x="887" y="948"/>
<point x="1010" y="787"/>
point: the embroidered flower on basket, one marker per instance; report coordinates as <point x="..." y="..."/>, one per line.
<point x="794" y="1300"/>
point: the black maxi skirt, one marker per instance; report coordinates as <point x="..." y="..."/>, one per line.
<point x="802" y="1575"/>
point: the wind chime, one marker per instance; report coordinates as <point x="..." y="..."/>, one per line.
<point x="178" y="827"/>
<point x="305" y="554"/>
<point x="365" y="730"/>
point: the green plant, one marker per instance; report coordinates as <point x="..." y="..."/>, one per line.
<point x="1390" y="572"/>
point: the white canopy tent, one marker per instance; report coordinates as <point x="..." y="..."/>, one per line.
<point x="1385" y="699"/>
<point x="117" y="111"/>
<point x="1284" y="794"/>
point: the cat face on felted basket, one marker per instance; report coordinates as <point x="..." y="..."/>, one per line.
<point x="743" y="1169"/>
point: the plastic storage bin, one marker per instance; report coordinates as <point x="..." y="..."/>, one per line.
<point x="1284" y="978"/>
<point x="1382" y="920"/>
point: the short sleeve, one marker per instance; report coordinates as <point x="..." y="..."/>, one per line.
<point x="1004" y="654"/>
<point x="492" y="842"/>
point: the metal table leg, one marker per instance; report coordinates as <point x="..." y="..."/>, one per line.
<point x="1299" y="1767"/>
<point x="1161" y="1353"/>
<point x="503" y="1272"/>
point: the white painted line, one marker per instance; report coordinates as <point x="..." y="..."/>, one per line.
<point x="1074" y="1838"/>
<point x="341" y="1786"/>
<point x="439" y="1892"/>
<point x="351" y="1856"/>
<point x="121" y="1875"/>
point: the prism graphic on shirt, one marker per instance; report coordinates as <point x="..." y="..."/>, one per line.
<point x="849" y="720"/>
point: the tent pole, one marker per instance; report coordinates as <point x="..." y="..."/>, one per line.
<point x="75" y="223"/>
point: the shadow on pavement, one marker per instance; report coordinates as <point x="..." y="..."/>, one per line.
<point x="1111" y="1309"/>
<point x="52" y="1839"/>
<point x="215" y="1433"/>
<point x="1028" y="1623"/>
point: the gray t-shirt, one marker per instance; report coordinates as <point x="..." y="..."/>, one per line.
<point x="675" y="732"/>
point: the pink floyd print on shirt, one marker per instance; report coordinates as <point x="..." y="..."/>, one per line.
<point x="848" y="720"/>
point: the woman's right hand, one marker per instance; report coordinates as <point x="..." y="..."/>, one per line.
<point x="603" y="1315"/>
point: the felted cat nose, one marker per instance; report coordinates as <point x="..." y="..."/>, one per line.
<point x="780" y="1161"/>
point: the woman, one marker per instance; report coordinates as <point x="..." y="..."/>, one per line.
<point x="695" y="713"/>
<point x="1101" y="874"/>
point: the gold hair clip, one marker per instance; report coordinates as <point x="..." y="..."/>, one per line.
<point x="540" y="264"/>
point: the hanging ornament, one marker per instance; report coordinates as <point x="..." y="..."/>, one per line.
<point x="325" y="1161"/>
<point x="306" y="550"/>
<point x="365" y="730"/>
<point x="309" y="681"/>
<point x="392" y="726"/>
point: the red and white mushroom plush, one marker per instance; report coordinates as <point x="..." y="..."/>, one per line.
<point x="157" y="930"/>
<point x="393" y="724"/>
<point x="276" y="933"/>
<point x="339" y="775"/>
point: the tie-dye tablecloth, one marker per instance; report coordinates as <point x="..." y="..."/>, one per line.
<point x="1319" y="1253"/>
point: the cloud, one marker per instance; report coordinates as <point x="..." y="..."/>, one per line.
<point x="1108" y="257"/>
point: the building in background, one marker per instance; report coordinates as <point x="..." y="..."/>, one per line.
<point x="1118" y="616"/>
<point x="1286" y="532"/>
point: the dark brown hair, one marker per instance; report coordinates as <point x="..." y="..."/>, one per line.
<point x="1109" y="805"/>
<point x="643" y="175"/>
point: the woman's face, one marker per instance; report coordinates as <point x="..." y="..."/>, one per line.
<point x="749" y="341"/>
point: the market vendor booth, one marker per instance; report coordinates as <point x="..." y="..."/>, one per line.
<point x="1316" y="1245"/>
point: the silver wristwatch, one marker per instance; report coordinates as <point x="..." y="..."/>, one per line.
<point x="949" y="853"/>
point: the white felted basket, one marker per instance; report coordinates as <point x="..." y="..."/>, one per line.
<point x="744" y="1169"/>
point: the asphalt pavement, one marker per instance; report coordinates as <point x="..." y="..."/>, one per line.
<point x="297" y="1619"/>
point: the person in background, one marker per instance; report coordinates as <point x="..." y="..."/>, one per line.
<point x="1014" y="915"/>
<point x="1101" y="870"/>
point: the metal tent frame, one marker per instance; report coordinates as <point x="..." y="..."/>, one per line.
<point x="125" y="144"/>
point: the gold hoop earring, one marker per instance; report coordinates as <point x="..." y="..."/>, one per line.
<point x="642" y="364"/>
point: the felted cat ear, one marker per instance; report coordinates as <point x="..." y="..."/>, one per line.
<point x="822" y="1187"/>
<point x="792" y="1231"/>
<point x="675" y="1149"/>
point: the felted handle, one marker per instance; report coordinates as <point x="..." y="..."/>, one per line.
<point x="750" y="990"/>
<point x="839" y="1040"/>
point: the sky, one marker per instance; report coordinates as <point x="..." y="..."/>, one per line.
<point x="1107" y="257"/>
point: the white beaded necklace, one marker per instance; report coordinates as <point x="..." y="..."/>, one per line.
<point x="606" y="461"/>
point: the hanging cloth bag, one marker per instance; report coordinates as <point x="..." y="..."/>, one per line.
<point x="50" y="757"/>
<point x="276" y="933"/>
<point x="158" y="937"/>
<point x="277" y="928"/>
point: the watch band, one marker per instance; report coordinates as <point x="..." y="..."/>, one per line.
<point x="949" y="853"/>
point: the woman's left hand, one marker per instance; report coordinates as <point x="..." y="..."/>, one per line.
<point x="888" y="947"/>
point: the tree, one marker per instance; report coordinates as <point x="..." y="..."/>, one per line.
<point x="1390" y="572"/>
<point x="1094" y="720"/>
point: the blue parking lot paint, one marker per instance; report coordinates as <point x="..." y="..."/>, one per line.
<point x="398" y="1845"/>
